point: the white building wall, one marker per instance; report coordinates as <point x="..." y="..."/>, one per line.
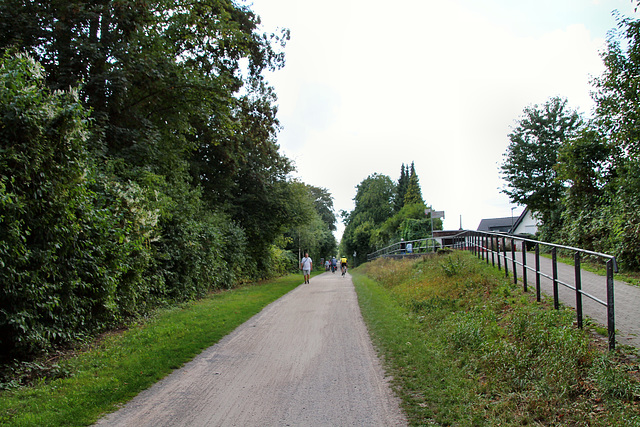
<point x="528" y="225"/>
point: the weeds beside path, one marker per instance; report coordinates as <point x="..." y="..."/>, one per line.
<point x="466" y="347"/>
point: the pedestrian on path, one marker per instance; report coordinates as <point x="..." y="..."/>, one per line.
<point x="306" y="264"/>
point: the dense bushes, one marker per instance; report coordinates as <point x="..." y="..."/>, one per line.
<point x="152" y="177"/>
<point x="64" y="248"/>
<point x="86" y="241"/>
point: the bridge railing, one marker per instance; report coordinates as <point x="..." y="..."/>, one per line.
<point x="501" y="250"/>
<point x="420" y="246"/>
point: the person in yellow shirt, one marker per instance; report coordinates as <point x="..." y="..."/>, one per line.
<point x="343" y="265"/>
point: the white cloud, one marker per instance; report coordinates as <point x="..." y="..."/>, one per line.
<point x="369" y="85"/>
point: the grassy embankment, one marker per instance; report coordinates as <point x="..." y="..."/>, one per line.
<point x="466" y="347"/>
<point x="119" y="366"/>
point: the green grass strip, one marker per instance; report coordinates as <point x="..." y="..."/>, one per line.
<point x="467" y="347"/>
<point x="432" y="388"/>
<point x="122" y="365"/>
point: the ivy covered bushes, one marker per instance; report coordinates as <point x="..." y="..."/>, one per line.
<point x="138" y="164"/>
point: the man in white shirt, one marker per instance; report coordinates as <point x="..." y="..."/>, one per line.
<point x="306" y="264"/>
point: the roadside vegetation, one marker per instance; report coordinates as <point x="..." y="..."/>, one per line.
<point x="579" y="173"/>
<point x="139" y="165"/>
<point x="467" y="347"/>
<point x="93" y="380"/>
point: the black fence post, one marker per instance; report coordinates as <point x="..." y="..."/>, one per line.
<point x="504" y="254"/>
<point x="498" y="253"/>
<point x="554" y="261"/>
<point x="578" y="283"/>
<point x="538" y="272"/>
<point x="524" y="265"/>
<point x="513" y="261"/>
<point x="610" y="307"/>
<point x="486" y="245"/>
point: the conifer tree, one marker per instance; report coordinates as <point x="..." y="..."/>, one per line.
<point x="401" y="188"/>
<point x="413" y="194"/>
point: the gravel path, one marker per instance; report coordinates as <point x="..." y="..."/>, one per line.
<point x="305" y="360"/>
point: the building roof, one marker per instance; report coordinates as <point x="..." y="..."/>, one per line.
<point x="519" y="220"/>
<point x="496" y="224"/>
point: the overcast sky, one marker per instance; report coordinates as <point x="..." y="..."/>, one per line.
<point x="369" y="85"/>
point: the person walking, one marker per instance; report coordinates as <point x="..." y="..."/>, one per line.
<point x="306" y="265"/>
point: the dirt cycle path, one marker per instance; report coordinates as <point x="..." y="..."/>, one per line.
<point x="305" y="360"/>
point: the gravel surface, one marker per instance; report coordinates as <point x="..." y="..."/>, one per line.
<point x="305" y="360"/>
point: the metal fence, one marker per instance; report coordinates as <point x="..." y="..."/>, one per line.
<point x="420" y="246"/>
<point x="501" y="250"/>
<point x="408" y="248"/>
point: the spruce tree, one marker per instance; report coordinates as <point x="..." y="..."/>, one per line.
<point x="413" y="194"/>
<point x="401" y="188"/>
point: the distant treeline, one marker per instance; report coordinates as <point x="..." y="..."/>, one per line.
<point x="580" y="176"/>
<point x="138" y="164"/>
<point x="386" y="212"/>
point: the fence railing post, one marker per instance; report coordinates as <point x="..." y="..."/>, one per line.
<point x="554" y="261"/>
<point x="578" y="286"/>
<point x="524" y="265"/>
<point x="504" y="254"/>
<point x="498" y="253"/>
<point x="611" y="326"/>
<point x="513" y="261"/>
<point x="538" y="297"/>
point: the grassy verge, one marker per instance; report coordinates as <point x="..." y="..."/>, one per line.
<point x="121" y="365"/>
<point x="466" y="347"/>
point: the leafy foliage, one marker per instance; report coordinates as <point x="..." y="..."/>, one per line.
<point x="401" y="188"/>
<point x="583" y="179"/>
<point x="64" y="249"/>
<point x="414" y="194"/>
<point x="532" y="154"/>
<point x="376" y="220"/>
<point x="139" y="165"/>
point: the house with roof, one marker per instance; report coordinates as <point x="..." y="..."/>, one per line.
<point x="496" y="225"/>
<point x="525" y="224"/>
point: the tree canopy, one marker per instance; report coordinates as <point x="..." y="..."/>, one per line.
<point x="376" y="221"/>
<point x="140" y="165"/>
<point x="532" y="154"/>
<point x="582" y="177"/>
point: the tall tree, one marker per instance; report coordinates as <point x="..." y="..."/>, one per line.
<point x="175" y="89"/>
<point x="401" y="188"/>
<point x="413" y="194"/>
<point x="373" y="206"/>
<point x="323" y="202"/>
<point x="618" y="122"/>
<point x="529" y="162"/>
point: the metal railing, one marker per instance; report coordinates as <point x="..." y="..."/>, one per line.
<point x="493" y="247"/>
<point x="418" y="247"/>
